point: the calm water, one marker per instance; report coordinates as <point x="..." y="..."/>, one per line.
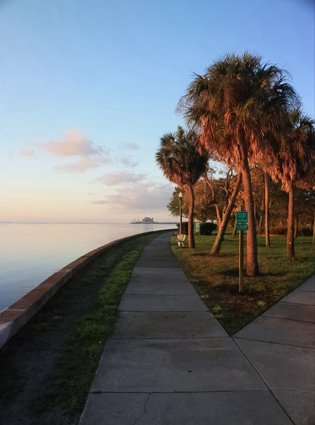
<point x="29" y="253"/>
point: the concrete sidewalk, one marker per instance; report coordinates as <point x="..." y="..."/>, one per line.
<point x="280" y="345"/>
<point x="171" y="363"/>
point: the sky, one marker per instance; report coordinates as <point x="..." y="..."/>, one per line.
<point x="88" y="88"/>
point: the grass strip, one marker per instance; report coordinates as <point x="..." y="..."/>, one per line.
<point x="76" y="368"/>
<point x="72" y="329"/>
<point x="216" y="278"/>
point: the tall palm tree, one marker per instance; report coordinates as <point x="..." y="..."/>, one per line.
<point x="182" y="162"/>
<point x="266" y="208"/>
<point x="294" y="161"/>
<point x="234" y="104"/>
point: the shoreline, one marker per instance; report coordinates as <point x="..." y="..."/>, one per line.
<point x="29" y="254"/>
<point x="16" y="315"/>
<point x="48" y="366"/>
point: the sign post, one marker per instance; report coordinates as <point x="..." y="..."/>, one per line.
<point x="241" y="225"/>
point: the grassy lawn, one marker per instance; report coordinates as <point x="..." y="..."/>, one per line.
<point x="216" y="278"/>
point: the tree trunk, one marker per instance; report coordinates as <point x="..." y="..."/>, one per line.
<point x="260" y="223"/>
<point x="217" y="210"/>
<point x="191" y="238"/>
<point x="252" y="268"/>
<point x="180" y="215"/>
<point x="296" y="226"/>
<point x="234" y="229"/>
<point x="314" y="228"/>
<point x="267" y="226"/>
<point x="290" y="230"/>
<point x="215" y="250"/>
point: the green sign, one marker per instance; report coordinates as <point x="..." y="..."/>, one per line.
<point x="197" y="228"/>
<point x="241" y="220"/>
<point x="241" y="226"/>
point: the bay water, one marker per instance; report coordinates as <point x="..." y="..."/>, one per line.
<point x="29" y="253"/>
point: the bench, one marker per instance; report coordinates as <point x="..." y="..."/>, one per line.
<point x="181" y="239"/>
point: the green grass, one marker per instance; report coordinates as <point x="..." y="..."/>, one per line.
<point x="76" y="369"/>
<point x="216" y="278"/>
<point x="76" y="322"/>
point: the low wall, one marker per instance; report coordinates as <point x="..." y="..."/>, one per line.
<point x="18" y="314"/>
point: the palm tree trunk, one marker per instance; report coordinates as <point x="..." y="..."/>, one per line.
<point x="234" y="229"/>
<point x="219" y="219"/>
<point x="260" y="223"/>
<point x="296" y="226"/>
<point x="267" y="226"/>
<point x="290" y="230"/>
<point x="252" y="268"/>
<point x="215" y="250"/>
<point x="191" y="238"/>
<point x="314" y="228"/>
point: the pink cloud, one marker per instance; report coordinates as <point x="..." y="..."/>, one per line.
<point x="121" y="178"/>
<point x="73" y="144"/>
<point x="82" y="165"/>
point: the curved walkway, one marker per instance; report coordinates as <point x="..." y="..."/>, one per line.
<point x="170" y="362"/>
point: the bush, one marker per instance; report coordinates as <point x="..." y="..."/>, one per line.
<point x="278" y="230"/>
<point x="305" y="231"/>
<point x="205" y="228"/>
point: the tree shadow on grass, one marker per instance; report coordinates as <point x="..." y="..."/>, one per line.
<point x="207" y="254"/>
<point x="270" y="274"/>
<point x="232" y="272"/>
<point x="229" y="288"/>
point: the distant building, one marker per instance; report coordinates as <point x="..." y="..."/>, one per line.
<point x="145" y="220"/>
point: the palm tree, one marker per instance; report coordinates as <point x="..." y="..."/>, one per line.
<point x="182" y="162"/>
<point x="267" y="226"/>
<point x="294" y="162"/>
<point x="234" y="104"/>
<point x="215" y="249"/>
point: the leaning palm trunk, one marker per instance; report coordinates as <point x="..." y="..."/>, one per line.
<point x="191" y="238"/>
<point x="252" y="268"/>
<point x="267" y="228"/>
<point x="290" y="234"/>
<point x="215" y="250"/>
<point x="217" y="210"/>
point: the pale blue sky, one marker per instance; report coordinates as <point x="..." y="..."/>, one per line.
<point x="87" y="88"/>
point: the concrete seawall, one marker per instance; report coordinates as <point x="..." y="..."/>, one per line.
<point x="14" y="317"/>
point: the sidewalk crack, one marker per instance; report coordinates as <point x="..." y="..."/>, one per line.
<point x="144" y="409"/>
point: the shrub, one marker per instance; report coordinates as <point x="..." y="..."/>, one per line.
<point x="205" y="228"/>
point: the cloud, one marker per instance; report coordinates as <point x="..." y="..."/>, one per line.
<point x="128" y="162"/>
<point x="122" y="178"/>
<point x="132" y="146"/>
<point x="140" y="196"/>
<point x="82" y="165"/>
<point x="73" y="144"/>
